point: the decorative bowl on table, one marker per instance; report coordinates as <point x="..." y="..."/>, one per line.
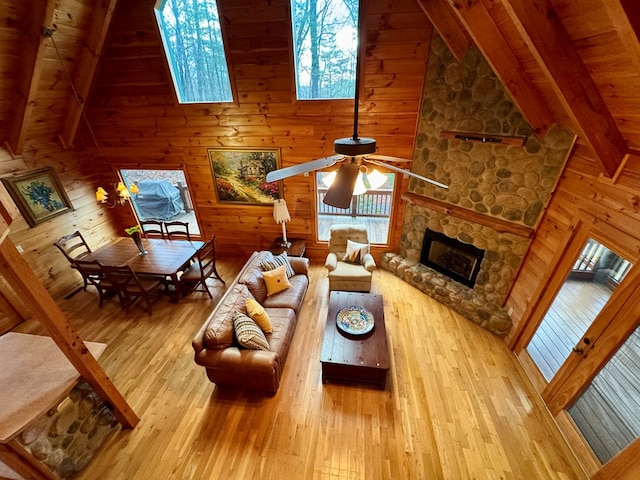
<point x="355" y="320"/>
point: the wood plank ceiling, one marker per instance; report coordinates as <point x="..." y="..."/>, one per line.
<point x="575" y="63"/>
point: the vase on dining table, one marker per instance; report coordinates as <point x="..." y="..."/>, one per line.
<point x="138" y="239"/>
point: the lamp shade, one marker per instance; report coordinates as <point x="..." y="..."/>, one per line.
<point x="280" y="211"/>
<point x="376" y="179"/>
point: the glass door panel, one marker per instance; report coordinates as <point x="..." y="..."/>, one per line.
<point x="595" y="275"/>
<point x="607" y="413"/>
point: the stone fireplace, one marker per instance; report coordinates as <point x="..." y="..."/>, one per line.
<point x="496" y="192"/>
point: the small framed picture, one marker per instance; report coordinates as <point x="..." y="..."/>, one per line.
<point x="38" y="195"/>
<point x="240" y="175"/>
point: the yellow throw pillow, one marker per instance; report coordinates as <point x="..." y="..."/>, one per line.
<point x="276" y="280"/>
<point x="259" y="315"/>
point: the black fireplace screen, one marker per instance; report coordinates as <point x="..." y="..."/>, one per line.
<point x="449" y="256"/>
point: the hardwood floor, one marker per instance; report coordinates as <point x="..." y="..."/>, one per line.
<point x="456" y="405"/>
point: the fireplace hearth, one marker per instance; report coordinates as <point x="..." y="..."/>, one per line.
<point x="451" y="257"/>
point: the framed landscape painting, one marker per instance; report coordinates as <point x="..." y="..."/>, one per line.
<point x="239" y="175"/>
<point x="38" y="195"/>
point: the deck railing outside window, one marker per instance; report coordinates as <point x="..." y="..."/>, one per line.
<point x="373" y="203"/>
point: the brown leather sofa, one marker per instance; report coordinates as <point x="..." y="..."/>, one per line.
<point x="215" y="345"/>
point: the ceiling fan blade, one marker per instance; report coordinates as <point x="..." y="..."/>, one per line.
<point x="385" y="158"/>
<point x="318" y="164"/>
<point x="341" y="190"/>
<point x="405" y="172"/>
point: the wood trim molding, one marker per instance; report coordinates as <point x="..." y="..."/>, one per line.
<point x="497" y="224"/>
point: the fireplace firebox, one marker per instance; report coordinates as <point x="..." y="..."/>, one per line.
<point x="449" y="256"/>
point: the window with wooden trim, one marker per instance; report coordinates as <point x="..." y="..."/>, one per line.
<point x="325" y="46"/>
<point x="193" y="43"/>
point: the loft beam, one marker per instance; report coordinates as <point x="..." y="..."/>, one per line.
<point x="550" y="44"/>
<point x="497" y="50"/>
<point x="27" y="73"/>
<point x="447" y="25"/>
<point x="86" y="66"/>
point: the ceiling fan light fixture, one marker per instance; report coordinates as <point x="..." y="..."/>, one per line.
<point x="328" y="178"/>
<point x="376" y="179"/>
<point x="341" y="190"/>
<point x="353" y="147"/>
<point x="359" y="187"/>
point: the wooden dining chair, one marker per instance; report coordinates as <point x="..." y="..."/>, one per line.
<point x="205" y="266"/>
<point x="152" y="226"/>
<point x="93" y="274"/>
<point x="177" y="230"/>
<point x="131" y="286"/>
<point x="74" y="247"/>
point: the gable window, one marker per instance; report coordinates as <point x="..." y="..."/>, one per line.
<point x="192" y="40"/>
<point x="369" y="206"/>
<point x="325" y="45"/>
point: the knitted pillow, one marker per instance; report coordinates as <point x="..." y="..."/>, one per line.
<point x="248" y="333"/>
<point x="276" y="261"/>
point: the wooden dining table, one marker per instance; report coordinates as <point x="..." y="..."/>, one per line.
<point x="163" y="258"/>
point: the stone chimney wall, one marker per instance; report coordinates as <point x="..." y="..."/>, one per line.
<point x="508" y="183"/>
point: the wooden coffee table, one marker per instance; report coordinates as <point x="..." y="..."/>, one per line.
<point x="355" y="358"/>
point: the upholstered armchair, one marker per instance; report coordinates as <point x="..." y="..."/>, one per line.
<point x="351" y="272"/>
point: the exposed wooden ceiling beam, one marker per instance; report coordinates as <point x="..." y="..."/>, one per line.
<point x="545" y="36"/>
<point x="86" y="66"/>
<point x="27" y="74"/>
<point x="625" y="17"/>
<point x="496" y="50"/>
<point x="448" y="26"/>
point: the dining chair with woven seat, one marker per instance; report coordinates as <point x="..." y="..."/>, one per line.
<point x="204" y="267"/>
<point x="93" y="273"/>
<point x="131" y="286"/>
<point x="152" y="226"/>
<point x="177" y="230"/>
<point x="74" y="247"/>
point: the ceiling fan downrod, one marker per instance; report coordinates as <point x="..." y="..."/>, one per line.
<point x="355" y="146"/>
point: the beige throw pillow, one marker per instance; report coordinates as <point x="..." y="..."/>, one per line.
<point x="355" y="252"/>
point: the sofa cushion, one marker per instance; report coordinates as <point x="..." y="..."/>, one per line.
<point x="259" y="315"/>
<point x="276" y="280"/>
<point x="252" y="276"/>
<point x="219" y="331"/>
<point x="284" y="325"/>
<point x="248" y="333"/>
<point x="291" y="297"/>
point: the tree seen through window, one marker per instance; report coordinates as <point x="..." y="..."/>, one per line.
<point x="325" y="41"/>
<point x="193" y="43"/>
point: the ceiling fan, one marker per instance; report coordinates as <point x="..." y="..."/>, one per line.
<point x="357" y="150"/>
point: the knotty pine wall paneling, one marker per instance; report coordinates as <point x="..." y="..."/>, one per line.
<point x="42" y="147"/>
<point x="136" y="116"/>
<point x="617" y="203"/>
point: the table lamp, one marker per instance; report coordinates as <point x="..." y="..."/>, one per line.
<point x="281" y="215"/>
